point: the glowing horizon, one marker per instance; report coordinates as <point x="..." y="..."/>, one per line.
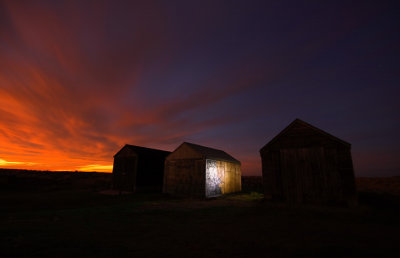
<point x="35" y="166"/>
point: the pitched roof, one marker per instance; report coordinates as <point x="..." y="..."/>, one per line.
<point x="142" y="149"/>
<point x="301" y="122"/>
<point x="211" y="153"/>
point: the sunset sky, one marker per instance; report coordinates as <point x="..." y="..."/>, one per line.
<point x="79" y="79"/>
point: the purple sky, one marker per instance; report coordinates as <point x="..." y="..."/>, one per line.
<point x="79" y="79"/>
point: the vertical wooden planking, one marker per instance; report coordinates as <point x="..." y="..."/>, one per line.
<point x="124" y="173"/>
<point x="183" y="177"/>
<point x="311" y="166"/>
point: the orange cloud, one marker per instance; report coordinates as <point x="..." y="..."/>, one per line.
<point x="64" y="101"/>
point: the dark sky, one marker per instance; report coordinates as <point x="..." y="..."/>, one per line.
<point x="79" y="79"/>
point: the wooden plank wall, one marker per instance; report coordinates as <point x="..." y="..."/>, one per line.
<point x="184" y="177"/>
<point x="124" y="173"/>
<point x="272" y="178"/>
<point x="214" y="176"/>
<point x="222" y="177"/>
<point x="305" y="166"/>
<point x="232" y="177"/>
<point x="309" y="175"/>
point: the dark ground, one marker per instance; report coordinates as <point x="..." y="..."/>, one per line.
<point x="55" y="214"/>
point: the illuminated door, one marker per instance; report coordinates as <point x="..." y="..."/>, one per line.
<point x="213" y="180"/>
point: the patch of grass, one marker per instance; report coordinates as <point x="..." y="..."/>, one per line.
<point x="252" y="196"/>
<point x="94" y="225"/>
<point x="71" y="221"/>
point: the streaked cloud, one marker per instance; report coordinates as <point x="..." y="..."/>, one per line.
<point x="13" y="163"/>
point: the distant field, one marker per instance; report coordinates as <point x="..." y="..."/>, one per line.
<point x="61" y="214"/>
<point x="379" y="185"/>
<point x="47" y="180"/>
<point x="26" y="180"/>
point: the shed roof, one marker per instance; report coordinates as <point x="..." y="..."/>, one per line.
<point x="210" y="153"/>
<point x="140" y="149"/>
<point x="301" y="122"/>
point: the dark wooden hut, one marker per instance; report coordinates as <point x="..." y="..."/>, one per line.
<point x="304" y="164"/>
<point x="138" y="169"/>
<point x="194" y="170"/>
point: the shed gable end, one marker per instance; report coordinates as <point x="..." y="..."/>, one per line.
<point x="301" y="134"/>
<point x="125" y="152"/>
<point x="184" y="151"/>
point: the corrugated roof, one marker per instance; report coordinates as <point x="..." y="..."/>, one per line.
<point x="212" y="153"/>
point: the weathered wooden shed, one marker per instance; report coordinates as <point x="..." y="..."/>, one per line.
<point x="138" y="169"/>
<point x="198" y="171"/>
<point x="304" y="164"/>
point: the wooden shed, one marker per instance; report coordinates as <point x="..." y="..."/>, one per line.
<point x="198" y="171"/>
<point x="138" y="169"/>
<point x="304" y="164"/>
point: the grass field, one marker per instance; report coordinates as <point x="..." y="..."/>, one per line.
<point x="66" y="215"/>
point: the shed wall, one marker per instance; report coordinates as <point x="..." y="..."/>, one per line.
<point x="184" y="177"/>
<point x="305" y="165"/>
<point x="222" y="177"/>
<point x="124" y="173"/>
<point x="309" y="175"/>
<point x="138" y="170"/>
